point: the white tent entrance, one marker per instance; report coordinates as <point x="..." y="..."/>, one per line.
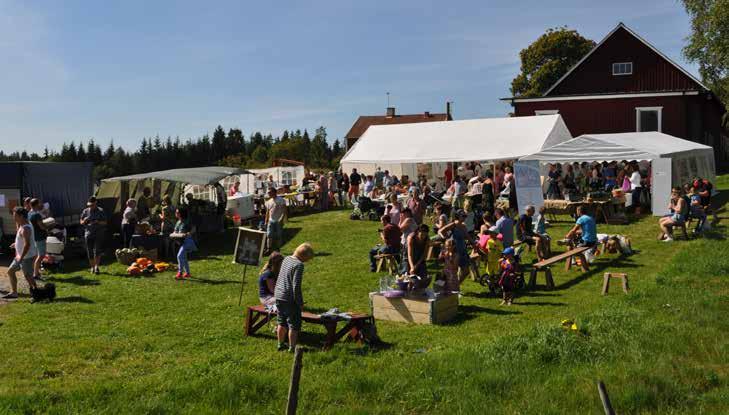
<point x="412" y="149"/>
<point x="687" y="159"/>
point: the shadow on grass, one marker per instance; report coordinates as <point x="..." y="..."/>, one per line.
<point x="74" y="299"/>
<point x="212" y="282"/>
<point x="597" y="268"/>
<point x="469" y="312"/>
<point x="75" y="280"/>
<point x="538" y="303"/>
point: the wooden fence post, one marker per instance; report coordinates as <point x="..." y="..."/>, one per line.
<point x="606" y="405"/>
<point x="293" y="400"/>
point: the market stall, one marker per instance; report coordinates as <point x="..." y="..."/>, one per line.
<point x="673" y="161"/>
<point x="199" y="189"/>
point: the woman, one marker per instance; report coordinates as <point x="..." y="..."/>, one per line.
<point x="636" y="188"/>
<point x="416" y="205"/>
<point x="267" y="279"/>
<point x="167" y="225"/>
<point x="407" y="227"/>
<point x="417" y="247"/>
<point x="570" y="185"/>
<point x="333" y="189"/>
<point x="441" y="219"/>
<point x="488" y="201"/>
<point x="679" y="213"/>
<point x="553" y="179"/>
<point x="183" y="232"/>
<point x="129" y="221"/>
<point x="323" y="192"/>
<point x="459" y="234"/>
<point x="393" y="209"/>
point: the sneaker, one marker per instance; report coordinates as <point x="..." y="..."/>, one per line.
<point x="178" y="276"/>
<point x="503" y="303"/>
<point x="282" y="347"/>
<point x="186" y="276"/>
<point x="668" y="239"/>
<point x="10" y="296"/>
<point x="97" y="271"/>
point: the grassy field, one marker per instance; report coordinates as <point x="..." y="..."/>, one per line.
<point x="117" y="344"/>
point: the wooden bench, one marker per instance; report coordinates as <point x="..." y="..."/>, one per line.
<point x="257" y="316"/>
<point x="545" y="265"/>
<point x="388" y="260"/>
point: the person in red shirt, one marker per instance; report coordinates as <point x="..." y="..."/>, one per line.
<point x="390" y="235"/>
<point x="448" y="175"/>
<point x="234" y="189"/>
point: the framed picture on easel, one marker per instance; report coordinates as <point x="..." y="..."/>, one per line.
<point x="249" y="246"/>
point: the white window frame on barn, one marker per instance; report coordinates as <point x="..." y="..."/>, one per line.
<point x="658" y="110"/>
<point x="546" y="112"/>
<point x="622" y="68"/>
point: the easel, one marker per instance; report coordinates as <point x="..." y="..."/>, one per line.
<point x="242" y="281"/>
<point x="249" y="260"/>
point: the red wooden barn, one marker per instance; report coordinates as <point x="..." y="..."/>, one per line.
<point x="625" y="84"/>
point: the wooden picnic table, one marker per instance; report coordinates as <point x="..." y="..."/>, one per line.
<point x="257" y="316"/>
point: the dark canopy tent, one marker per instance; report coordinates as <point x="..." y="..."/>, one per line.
<point x="114" y="192"/>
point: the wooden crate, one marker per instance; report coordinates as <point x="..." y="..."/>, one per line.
<point x="418" y="310"/>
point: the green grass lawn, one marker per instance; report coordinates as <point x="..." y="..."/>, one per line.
<point x="117" y="344"/>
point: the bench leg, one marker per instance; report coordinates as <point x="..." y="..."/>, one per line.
<point x="625" y="284"/>
<point x="379" y="264"/>
<point x="606" y="283"/>
<point x="584" y="263"/>
<point x="533" y="279"/>
<point x="548" y="277"/>
<point x="331" y="335"/>
<point x="568" y="264"/>
<point x="249" y="322"/>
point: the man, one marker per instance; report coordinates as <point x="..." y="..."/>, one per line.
<point x="526" y="231"/>
<point x="289" y="300"/>
<point x="144" y="204"/>
<point x="275" y="217"/>
<point x="354" y="180"/>
<point x="416" y="205"/>
<point x="505" y="226"/>
<point x="39" y="235"/>
<point x="703" y="188"/>
<point x="234" y="189"/>
<point x="25" y="253"/>
<point x="391" y="236"/>
<point x="586" y="226"/>
<point x="93" y="219"/>
<point x="379" y="176"/>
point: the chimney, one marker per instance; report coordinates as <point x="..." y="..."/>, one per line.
<point x="390" y="112"/>
<point x="426" y="114"/>
<point x="448" y="110"/>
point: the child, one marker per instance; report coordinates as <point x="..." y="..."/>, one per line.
<point x="450" y="267"/>
<point x="696" y="210"/>
<point x="470" y="220"/>
<point x="182" y="232"/>
<point x="508" y="275"/>
<point x="494" y="247"/>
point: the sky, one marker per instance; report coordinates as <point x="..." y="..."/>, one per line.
<point x="120" y="71"/>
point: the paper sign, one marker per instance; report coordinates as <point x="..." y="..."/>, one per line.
<point x="528" y="184"/>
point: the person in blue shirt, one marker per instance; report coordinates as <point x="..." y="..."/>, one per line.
<point x="267" y="279"/>
<point x="505" y="226"/>
<point x="586" y="226"/>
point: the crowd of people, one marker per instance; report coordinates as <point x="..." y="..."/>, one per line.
<point x="692" y="201"/>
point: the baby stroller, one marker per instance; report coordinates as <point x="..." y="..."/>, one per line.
<point x="365" y="208"/>
<point x="55" y="245"/>
<point x="492" y="281"/>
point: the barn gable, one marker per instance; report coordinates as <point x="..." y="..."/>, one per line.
<point x="623" y="62"/>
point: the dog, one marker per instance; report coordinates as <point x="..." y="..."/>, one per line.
<point x="47" y="292"/>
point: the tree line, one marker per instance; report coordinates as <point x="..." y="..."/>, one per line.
<point x="224" y="149"/>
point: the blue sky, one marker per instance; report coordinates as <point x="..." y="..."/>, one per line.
<point x="76" y="70"/>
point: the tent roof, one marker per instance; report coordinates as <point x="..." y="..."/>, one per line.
<point x="623" y="146"/>
<point x="195" y="175"/>
<point x="464" y="140"/>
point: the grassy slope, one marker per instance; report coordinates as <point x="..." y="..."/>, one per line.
<point x="114" y="344"/>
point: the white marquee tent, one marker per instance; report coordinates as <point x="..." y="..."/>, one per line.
<point x="675" y="161"/>
<point x="400" y="148"/>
